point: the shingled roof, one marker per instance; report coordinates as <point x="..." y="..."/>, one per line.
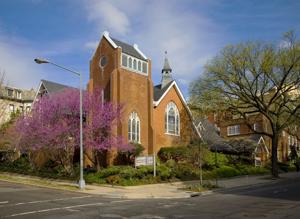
<point x="158" y="91"/>
<point x="53" y="87"/>
<point x="128" y="49"/>
<point x="210" y="136"/>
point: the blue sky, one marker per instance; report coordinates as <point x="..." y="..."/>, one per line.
<point x="67" y="32"/>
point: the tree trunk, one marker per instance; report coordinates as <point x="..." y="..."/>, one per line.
<point x="274" y="156"/>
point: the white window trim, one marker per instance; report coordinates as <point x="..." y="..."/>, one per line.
<point x="255" y="126"/>
<point x="135" y="116"/>
<point x="168" y="107"/>
<point x="132" y="69"/>
<point x="11" y="108"/>
<point x="234" y="127"/>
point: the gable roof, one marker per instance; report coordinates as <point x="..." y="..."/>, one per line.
<point x="161" y="93"/>
<point x="210" y="136"/>
<point x="50" y="88"/>
<point x="53" y="87"/>
<point x="128" y="49"/>
<point x="158" y="92"/>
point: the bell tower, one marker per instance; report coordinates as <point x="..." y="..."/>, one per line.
<point x="166" y="72"/>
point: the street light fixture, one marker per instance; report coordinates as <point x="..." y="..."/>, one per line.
<point x="81" y="182"/>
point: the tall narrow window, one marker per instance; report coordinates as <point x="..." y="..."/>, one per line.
<point x="139" y="66"/>
<point x="145" y="67"/>
<point x="134" y="131"/>
<point x="172" y="119"/>
<point x="10" y="92"/>
<point x="130" y="62"/>
<point x="124" y="60"/>
<point x="11" y="108"/>
<point x="134" y="64"/>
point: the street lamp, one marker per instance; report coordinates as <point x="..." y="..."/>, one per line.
<point x="81" y="182"/>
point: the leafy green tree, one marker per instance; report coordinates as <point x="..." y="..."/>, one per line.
<point x="254" y="78"/>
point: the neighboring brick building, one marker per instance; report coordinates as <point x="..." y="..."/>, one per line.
<point x="232" y="127"/>
<point x="13" y="100"/>
<point x="154" y="116"/>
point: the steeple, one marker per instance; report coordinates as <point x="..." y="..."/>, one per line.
<point x="166" y="73"/>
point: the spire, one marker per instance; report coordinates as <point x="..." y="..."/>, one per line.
<point x="166" y="72"/>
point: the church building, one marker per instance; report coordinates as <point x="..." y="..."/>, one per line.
<point x="153" y="116"/>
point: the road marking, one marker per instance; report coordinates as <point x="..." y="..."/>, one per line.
<point x="54" y="209"/>
<point x="121" y="201"/>
<point x="4" y="202"/>
<point x="48" y="200"/>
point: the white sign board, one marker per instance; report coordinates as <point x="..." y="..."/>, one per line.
<point x="143" y="161"/>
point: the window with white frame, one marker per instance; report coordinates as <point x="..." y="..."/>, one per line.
<point x="130" y="62"/>
<point x="10" y="92"/>
<point x="172" y="119"/>
<point x="124" y="60"/>
<point x="292" y="140"/>
<point x="11" y="108"/>
<point x="255" y="126"/>
<point x="134" y="130"/>
<point x="19" y="94"/>
<point x="134" y="64"/>
<point x="233" y="130"/>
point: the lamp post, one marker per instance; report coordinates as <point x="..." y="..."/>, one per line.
<point x="81" y="182"/>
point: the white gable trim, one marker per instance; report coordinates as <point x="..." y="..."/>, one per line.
<point x="106" y="36"/>
<point x="135" y="46"/>
<point x="261" y="140"/>
<point x="156" y="103"/>
<point x="38" y="90"/>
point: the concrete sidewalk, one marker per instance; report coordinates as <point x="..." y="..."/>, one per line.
<point x="160" y="191"/>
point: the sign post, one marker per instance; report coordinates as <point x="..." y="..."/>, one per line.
<point x="146" y="161"/>
<point x="154" y="165"/>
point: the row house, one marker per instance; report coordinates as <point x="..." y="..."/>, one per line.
<point x="14" y="100"/>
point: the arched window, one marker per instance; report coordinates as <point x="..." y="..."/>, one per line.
<point x="134" y="64"/>
<point x="172" y="119"/>
<point x="124" y="60"/>
<point x="134" y="128"/>
<point x="130" y="62"/>
<point x="139" y="66"/>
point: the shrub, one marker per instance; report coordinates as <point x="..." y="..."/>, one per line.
<point x="110" y="171"/>
<point x="127" y="157"/>
<point x="164" y="172"/>
<point x="212" y="159"/>
<point x="186" y="172"/>
<point x="226" y="171"/>
<point x="113" y="180"/>
<point x="144" y="171"/>
<point x="174" y="153"/>
<point x="128" y="173"/>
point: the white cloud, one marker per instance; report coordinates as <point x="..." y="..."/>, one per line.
<point x="190" y="37"/>
<point x="91" y="45"/>
<point x="107" y="15"/>
<point x="16" y="60"/>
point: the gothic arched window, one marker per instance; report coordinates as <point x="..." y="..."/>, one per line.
<point x="134" y="64"/>
<point x="134" y="128"/>
<point x="172" y="119"/>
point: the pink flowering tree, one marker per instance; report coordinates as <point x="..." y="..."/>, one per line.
<point x="53" y="126"/>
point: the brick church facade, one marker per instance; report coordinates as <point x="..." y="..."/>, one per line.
<point x="154" y="116"/>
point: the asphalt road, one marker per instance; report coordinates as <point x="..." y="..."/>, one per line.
<point x="280" y="199"/>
